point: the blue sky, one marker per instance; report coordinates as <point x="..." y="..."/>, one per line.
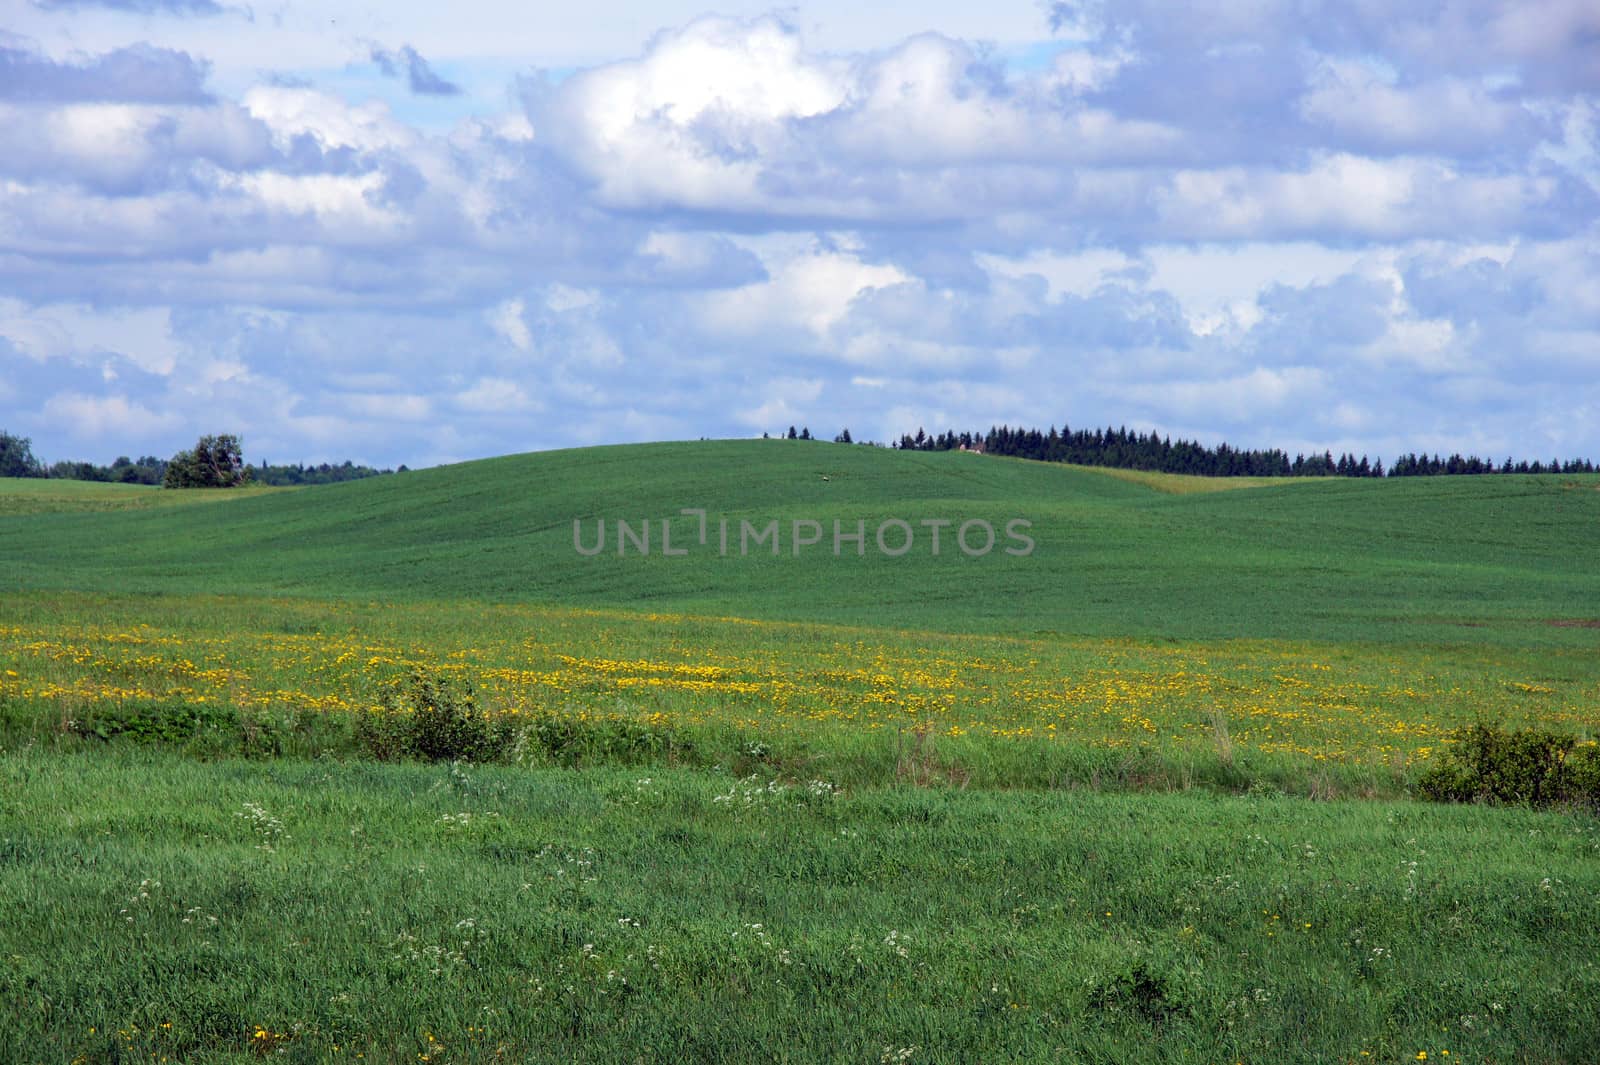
<point x="423" y="233"/>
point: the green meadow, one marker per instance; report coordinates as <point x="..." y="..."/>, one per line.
<point x="1143" y="793"/>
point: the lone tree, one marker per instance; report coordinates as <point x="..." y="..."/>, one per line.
<point x="215" y="462"/>
<point x="16" y="457"/>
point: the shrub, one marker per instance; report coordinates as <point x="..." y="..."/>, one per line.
<point x="431" y="716"/>
<point x="153" y="722"/>
<point x="200" y="729"/>
<point x="1144" y="990"/>
<point x="572" y="741"/>
<point x="1532" y="767"/>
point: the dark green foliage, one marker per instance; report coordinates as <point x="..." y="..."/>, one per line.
<point x="1582" y="769"/>
<point x="215" y="462"/>
<point x="207" y="730"/>
<point x="1118" y="448"/>
<point x="433" y="717"/>
<point x="153" y="722"/>
<point x="325" y="473"/>
<point x="16" y="457"/>
<point x="1532" y="767"/>
<point x="1142" y="990"/>
<point x="573" y="741"/>
<point x="77" y="471"/>
<point x="147" y="470"/>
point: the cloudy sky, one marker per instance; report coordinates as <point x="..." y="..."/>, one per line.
<point x="417" y="233"/>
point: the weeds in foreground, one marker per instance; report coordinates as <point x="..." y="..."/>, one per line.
<point x="1221" y="738"/>
<point x="916" y="762"/>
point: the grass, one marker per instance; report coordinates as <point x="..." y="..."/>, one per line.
<point x="27" y="495"/>
<point x="1068" y="806"/>
<point x="218" y="912"/>
<point x="1187" y="484"/>
<point x="1338" y="560"/>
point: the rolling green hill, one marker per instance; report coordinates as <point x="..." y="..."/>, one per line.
<point x="1458" y="559"/>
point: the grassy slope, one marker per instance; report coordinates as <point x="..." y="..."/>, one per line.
<point x="1440" y="558"/>
<point x="1188" y="484"/>
<point x="30" y="495"/>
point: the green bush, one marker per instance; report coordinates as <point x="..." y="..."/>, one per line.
<point x="572" y="741"/>
<point x="433" y="717"/>
<point x="200" y="729"/>
<point x="1144" y="990"/>
<point x="1530" y="767"/>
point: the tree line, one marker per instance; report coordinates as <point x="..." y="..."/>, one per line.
<point x="1117" y="447"/>
<point x="214" y="462"/>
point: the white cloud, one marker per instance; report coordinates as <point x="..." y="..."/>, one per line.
<point x="495" y="395"/>
<point x="74" y="331"/>
<point x="1578" y="149"/>
<point x="1428" y="345"/>
<point x="784" y="401"/>
<point x="563" y="298"/>
<point x="335" y="123"/>
<point x="1262" y="391"/>
<point x="683" y="123"/>
<point x="1079" y="273"/>
<point x="921" y="105"/>
<point x="506" y="320"/>
<point x="100" y="417"/>
<point x="342" y="204"/>
<point x="387" y="406"/>
<point x="808" y="293"/>
<point x="1340" y="192"/>
<point x="1367" y="105"/>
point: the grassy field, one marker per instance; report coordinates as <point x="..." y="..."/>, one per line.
<point x="1062" y="806"/>
<point x="41" y="496"/>
<point x="1314" y="717"/>
<point x="1491" y="560"/>
<point x="158" y="907"/>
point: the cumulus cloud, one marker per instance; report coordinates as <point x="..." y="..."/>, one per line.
<point x="1277" y="223"/>
<point x="1368" y="107"/>
<point x="419" y="76"/>
<point x="97" y="417"/>
<point x="495" y="395"/>
<point x="807" y="294"/>
<point x="139" y="73"/>
<point x="738" y="116"/>
<point x="506" y="320"/>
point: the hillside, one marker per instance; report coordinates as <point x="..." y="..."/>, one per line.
<point x="30" y="495"/>
<point x="1459" y="559"/>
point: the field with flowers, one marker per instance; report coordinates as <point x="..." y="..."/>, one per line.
<point x="1311" y="716"/>
<point x="795" y="806"/>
